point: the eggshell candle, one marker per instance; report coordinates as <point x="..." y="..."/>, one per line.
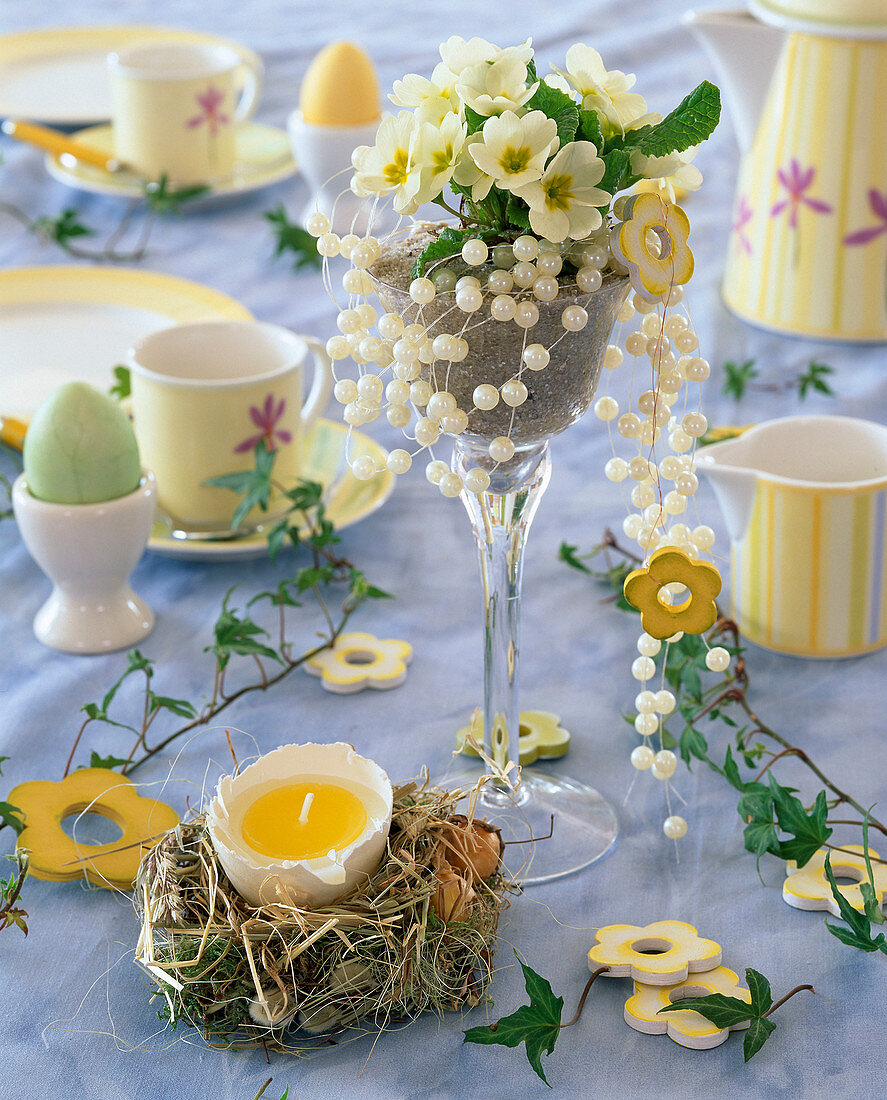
<point x="80" y="448"/>
<point x="340" y="88"/>
<point x="303" y="825"/>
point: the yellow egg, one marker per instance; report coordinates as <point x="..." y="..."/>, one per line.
<point x="340" y="87"/>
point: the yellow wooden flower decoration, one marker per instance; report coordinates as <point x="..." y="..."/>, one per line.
<point x="542" y="737"/>
<point x="58" y="857"/>
<point x="359" y="661"/>
<point x="652" y="244"/>
<point x="657" y="954"/>
<point x="808" y="888"/>
<point x="688" y="1028"/>
<point x="669" y="565"/>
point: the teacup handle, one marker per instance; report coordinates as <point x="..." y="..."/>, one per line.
<point x="321" y="384"/>
<point x="252" y="73"/>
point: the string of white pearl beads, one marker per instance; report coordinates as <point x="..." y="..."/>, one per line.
<point x="475" y="252"/>
<point x="514" y="392"/>
<point x="317" y="224"/>
<point x="674" y="827"/>
<point x="717" y="659"/>
<point x="364" y="467"/>
<point x="399" y="461"/>
<point x="501" y="449"/>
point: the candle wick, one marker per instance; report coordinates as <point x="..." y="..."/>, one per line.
<point x="306" y="806"/>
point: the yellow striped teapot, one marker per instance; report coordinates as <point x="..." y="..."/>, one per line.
<point x="806" y="82"/>
<point x="805" y="499"/>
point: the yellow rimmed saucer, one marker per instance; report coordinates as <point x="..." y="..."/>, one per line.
<point x="58" y="75"/>
<point x="347" y="500"/>
<point x="262" y="156"/>
<point x="64" y="323"/>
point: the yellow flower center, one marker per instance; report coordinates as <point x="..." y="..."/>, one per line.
<point x="559" y="192"/>
<point x="513" y="161"/>
<point x="443" y="158"/>
<point x="396" y="172"/>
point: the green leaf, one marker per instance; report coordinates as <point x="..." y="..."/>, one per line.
<point x="692" y="121"/>
<point x="759" y="987"/>
<point x="760" y="838"/>
<point x="448" y="243"/>
<point x="62" y="229"/>
<point x="2" y="760"/>
<point x="517" y="213"/>
<point x="12" y="816"/>
<point x="814" y="379"/>
<point x="253" y="485"/>
<point x="162" y="198"/>
<point x="111" y="762"/>
<point x="692" y="743"/>
<point x="590" y="129"/>
<point x="731" y="772"/>
<point x="723" y="1011"/>
<point x="361" y="589"/>
<point x="808" y="831"/>
<point x="617" y="171"/>
<point x="568" y="554"/>
<point x="181" y="707"/>
<point x="759" y="1031"/>
<point x="294" y="239"/>
<point x="871" y="904"/>
<point x="537" y="1024"/>
<point x="556" y="105"/>
<point x="737" y="377"/>
<point x="235" y="635"/>
<point x="474" y="120"/>
<point x="122" y="387"/>
<point x="859" y="932"/>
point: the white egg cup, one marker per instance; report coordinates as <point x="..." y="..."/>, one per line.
<point x="323" y="154"/>
<point x="88" y="552"/>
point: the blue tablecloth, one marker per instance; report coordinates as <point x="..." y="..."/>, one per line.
<point x="77" y="1022"/>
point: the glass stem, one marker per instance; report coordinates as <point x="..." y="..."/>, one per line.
<point x="500" y="519"/>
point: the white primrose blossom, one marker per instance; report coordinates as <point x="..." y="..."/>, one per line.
<point x="605" y="92"/>
<point x="436" y="152"/>
<point x="671" y="174"/>
<point x="388" y="166"/>
<point x="509" y="151"/>
<point x="496" y="86"/>
<point x="564" y="202"/>
<point x="432" y="99"/>
<point x="458" y="54"/>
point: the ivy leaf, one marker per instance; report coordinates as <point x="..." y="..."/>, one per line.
<point x="590" y="129"/>
<point x="293" y="238"/>
<point x="808" y="831"/>
<point x="692" y="121"/>
<point x="111" y="762"/>
<point x="537" y="1024"/>
<point x="692" y="743"/>
<point x="759" y="988"/>
<point x="164" y="199"/>
<point x="814" y="379"/>
<point x="181" y="707"/>
<point x="568" y="553"/>
<point x="253" y="485"/>
<point x="62" y="229"/>
<point x="737" y="377"/>
<point x="12" y="816"/>
<point x="759" y="1031"/>
<point x="859" y="931"/>
<point x="238" y="636"/>
<point x="723" y="1011"/>
<point x="871" y="904"/>
<point x="123" y="386"/>
<point x="361" y="589"/>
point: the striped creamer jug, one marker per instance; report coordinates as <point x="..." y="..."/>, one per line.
<point x="805" y="499"/>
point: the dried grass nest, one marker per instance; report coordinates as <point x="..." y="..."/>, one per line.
<point x="421" y="934"/>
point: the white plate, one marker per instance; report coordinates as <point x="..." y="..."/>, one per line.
<point x="64" y="324"/>
<point x="58" y="75"/>
<point x="262" y="156"/>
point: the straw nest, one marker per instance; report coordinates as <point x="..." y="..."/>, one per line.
<point x="421" y="934"/>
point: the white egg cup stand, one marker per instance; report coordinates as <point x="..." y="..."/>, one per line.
<point x="88" y="552"/>
<point x="323" y="154"/>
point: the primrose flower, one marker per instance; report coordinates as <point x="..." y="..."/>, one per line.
<point x="511" y="151"/>
<point x="605" y="92"/>
<point x="492" y="87"/>
<point x="564" y="202"/>
<point x="432" y="99"/>
<point x="669" y="175"/>
<point x="458" y="54"/>
<point x="436" y="152"/>
<point x="388" y="166"/>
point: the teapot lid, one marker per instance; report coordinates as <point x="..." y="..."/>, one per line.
<point x="855" y="19"/>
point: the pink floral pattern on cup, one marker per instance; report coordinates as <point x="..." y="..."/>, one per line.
<point x="878" y="204"/>
<point x="209" y="102"/>
<point x="797" y="181"/>
<point x="266" y="419"/>
<point x="744" y="215"/>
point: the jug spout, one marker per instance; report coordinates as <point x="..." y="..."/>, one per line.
<point x="744" y="52"/>
<point x="734" y="485"/>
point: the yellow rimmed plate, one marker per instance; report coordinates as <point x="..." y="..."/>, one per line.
<point x="323" y="459"/>
<point x="64" y="324"/>
<point x="262" y="156"/>
<point x="57" y="75"/>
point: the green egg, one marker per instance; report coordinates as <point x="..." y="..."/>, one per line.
<point x="80" y="448"/>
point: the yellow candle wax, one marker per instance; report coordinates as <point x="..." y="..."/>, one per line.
<point x="303" y="820"/>
<point x="340" y="87"/>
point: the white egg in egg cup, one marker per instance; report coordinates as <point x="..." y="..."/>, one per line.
<point x="88" y="552"/>
<point x="307" y="883"/>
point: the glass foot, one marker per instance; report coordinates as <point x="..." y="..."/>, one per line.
<point x="585" y="824"/>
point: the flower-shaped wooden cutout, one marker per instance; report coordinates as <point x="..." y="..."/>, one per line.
<point x="658" y="954"/>
<point x="652" y="244"/>
<point x="808" y="888"/>
<point x="359" y="661"/>
<point x="688" y="1028"/>
<point x="58" y="857"/>
<point x="542" y="737"/>
<point x="668" y="565"/>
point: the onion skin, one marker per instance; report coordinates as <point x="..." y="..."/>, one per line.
<point x="474" y="849"/>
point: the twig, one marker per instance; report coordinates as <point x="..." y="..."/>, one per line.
<point x="782" y="1000"/>
<point x="595" y="975"/>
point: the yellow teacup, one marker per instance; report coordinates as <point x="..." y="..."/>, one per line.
<point x="204" y="395"/>
<point x="174" y="108"/>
